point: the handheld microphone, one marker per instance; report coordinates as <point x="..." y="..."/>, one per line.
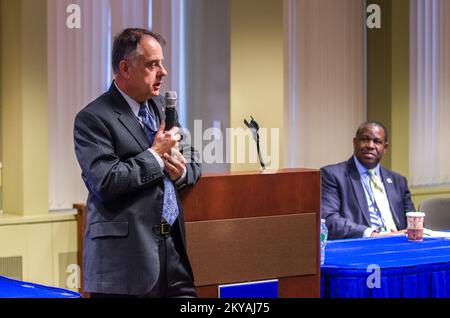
<point x="171" y="103"/>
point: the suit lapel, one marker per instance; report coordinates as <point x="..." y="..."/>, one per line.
<point x="127" y="118"/>
<point x="355" y="180"/>
<point x="390" y="191"/>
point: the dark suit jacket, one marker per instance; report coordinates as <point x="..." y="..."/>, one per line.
<point x="125" y="184"/>
<point x="344" y="203"/>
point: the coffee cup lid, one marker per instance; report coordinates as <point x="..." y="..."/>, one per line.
<point x="415" y="214"/>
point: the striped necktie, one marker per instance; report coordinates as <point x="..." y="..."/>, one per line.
<point x="375" y="216"/>
<point x="170" y="206"/>
<point x="382" y="202"/>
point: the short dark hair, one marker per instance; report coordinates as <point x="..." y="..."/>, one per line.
<point x="127" y="43"/>
<point x="375" y="123"/>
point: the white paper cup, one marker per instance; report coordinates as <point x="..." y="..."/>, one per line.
<point x="415" y="226"/>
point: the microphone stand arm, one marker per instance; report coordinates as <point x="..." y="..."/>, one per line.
<point x="263" y="166"/>
<point x="254" y="128"/>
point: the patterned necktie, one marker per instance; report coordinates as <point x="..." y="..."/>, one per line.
<point x="375" y="216"/>
<point x="381" y="201"/>
<point x="170" y="206"/>
<point x="147" y="118"/>
<point x="375" y="182"/>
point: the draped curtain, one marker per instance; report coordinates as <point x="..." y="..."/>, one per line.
<point x="429" y="92"/>
<point x="79" y="71"/>
<point x="325" y="80"/>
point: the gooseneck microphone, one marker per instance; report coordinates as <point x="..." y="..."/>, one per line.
<point x="254" y="128"/>
<point x="171" y="114"/>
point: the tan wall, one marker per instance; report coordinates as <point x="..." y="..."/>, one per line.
<point x="46" y="243"/>
<point x="400" y="88"/>
<point x="1" y="53"/>
<point x="1" y="143"/>
<point x="47" y="249"/>
<point x="24" y="107"/>
<point x="257" y="70"/>
<point x="388" y="80"/>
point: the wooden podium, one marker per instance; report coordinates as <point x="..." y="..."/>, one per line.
<point x="250" y="226"/>
<point x="253" y="226"/>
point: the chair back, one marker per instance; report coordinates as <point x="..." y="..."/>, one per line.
<point x="437" y="213"/>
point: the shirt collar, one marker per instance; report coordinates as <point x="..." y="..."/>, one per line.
<point x="363" y="170"/>
<point x="135" y="106"/>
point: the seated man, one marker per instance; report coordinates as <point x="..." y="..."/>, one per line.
<point x="359" y="197"/>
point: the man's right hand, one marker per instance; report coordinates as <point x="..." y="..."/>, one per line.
<point x="165" y="140"/>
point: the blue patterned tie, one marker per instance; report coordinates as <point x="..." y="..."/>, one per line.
<point x="148" y="121"/>
<point x="170" y="206"/>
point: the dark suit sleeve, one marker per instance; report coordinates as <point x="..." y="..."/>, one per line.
<point x="193" y="165"/>
<point x="407" y="202"/>
<point x="333" y="209"/>
<point x="103" y="172"/>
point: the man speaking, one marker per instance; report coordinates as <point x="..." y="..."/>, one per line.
<point x="134" y="243"/>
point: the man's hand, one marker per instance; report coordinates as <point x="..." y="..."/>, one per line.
<point x="391" y="233"/>
<point x="174" y="164"/>
<point x="165" y="141"/>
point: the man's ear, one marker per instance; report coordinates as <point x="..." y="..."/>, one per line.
<point x="386" y="146"/>
<point x="124" y="69"/>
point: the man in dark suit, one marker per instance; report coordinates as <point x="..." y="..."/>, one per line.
<point x="359" y="197"/>
<point x="134" y="243"/>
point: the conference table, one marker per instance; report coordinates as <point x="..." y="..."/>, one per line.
<point x="11" y="288"/>
<point x="388" y="267"/>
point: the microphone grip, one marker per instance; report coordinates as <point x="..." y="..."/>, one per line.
<point x="171" y="119"/>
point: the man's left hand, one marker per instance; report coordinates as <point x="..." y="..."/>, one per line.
<point x="174" y="164"/>
<point x="391" y="233"/>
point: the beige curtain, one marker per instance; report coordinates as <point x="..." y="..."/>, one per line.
<point x="78" y="71"/>
<point x="325" y="96"/>
<point x="429" y="92"/>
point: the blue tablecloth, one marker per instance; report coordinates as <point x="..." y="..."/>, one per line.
<point x="407" y="269"/>
<point x="10" y="288"/>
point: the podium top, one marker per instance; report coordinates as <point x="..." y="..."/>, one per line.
<point x="257" y="172"/>
<point x="252" y="193"/>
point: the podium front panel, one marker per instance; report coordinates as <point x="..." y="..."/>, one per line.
<point x="250" y="249"/>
